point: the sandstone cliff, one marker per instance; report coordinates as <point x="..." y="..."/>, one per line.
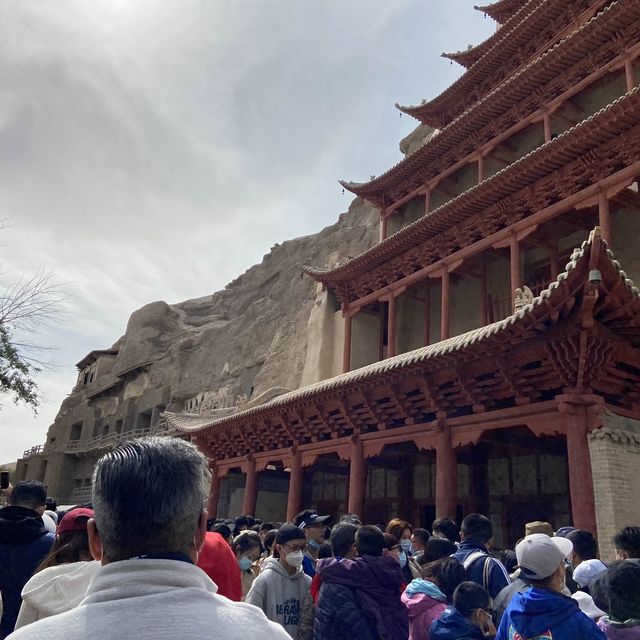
<point x="242" y="341"/>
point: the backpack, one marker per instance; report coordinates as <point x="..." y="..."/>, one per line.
<point x="471" y="559"/>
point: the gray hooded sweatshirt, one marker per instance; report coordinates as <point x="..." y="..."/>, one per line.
<point x="279" y="594"/>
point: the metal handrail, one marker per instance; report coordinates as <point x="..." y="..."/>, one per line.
<point x="96" y="442"/>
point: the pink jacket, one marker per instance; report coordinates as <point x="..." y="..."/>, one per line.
<point x="423" y="610"/>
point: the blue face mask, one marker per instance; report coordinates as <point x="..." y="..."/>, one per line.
<point x="406" y="545"/>
<point x="313" y="544"/>
<point x="245" y="563"/>
<point x="402" y="559"/>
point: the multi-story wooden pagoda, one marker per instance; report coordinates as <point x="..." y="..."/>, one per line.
<point x="481" y="350"/>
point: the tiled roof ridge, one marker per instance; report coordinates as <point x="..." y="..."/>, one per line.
<point x="499" y="7"/>
<point x="501" y="35"/>
<point x="468" y="57"/>
<point x="437" y="349"/>
<point x="558" y="142"/>
<point x="440" y="139"/>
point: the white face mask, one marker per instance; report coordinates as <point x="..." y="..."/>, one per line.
<point x="294" y="559"/>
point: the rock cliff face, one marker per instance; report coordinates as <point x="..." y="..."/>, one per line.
<point x="239" y="343"/>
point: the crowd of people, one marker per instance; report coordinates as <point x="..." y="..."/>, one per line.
<point x="144" y="561"/>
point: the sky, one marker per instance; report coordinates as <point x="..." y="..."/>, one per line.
<point x="156" y="149"/>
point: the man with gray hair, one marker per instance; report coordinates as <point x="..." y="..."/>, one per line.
<point x="149" y="526"/>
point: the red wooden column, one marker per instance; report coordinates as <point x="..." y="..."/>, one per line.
<point x="427" y="316"/>
<point x="604" y="217"/>
<point x="427" y="200"/>
<point x="357" y="479"/>
<point x="214" y="492"/>
<point x="628" y="74"/>
<point x="484" y="296"/>
<point x="515" y="266"/>
<point x="383" y="224"/>
<point x="250" y="489"/>
<point x="546" y="122"/>
<point x="294" y="500"/>
<point x="480" y="168"/>
<point x="346" y="349"/>
<point x="444" y="305"/>
<point x="446" y="474"/>
<point x="580" y="476"/>
<point x="391" y="327"/>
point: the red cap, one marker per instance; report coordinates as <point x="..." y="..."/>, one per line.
<point x="75" y="520"/>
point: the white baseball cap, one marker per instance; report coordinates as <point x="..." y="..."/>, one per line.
<point x="539" y="555"/>
<point x="587" y="570"/>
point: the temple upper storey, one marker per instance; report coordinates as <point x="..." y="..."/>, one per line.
<point x="528" y="34"/>
<point x="537" y="147"/>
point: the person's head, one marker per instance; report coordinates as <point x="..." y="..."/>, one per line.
<point x="148" y="497"/>
<point x="476" y="528"/>
<point x="369" y="541"/>
<point x="290" y="546"/>
<point x="50" y="504"/>
<point x="325" y="550"/>
<point x="508" y="559"/>
<point x="473" y="603"/>
<point x="343" y="540"/>
<point x="351" y="518"/>
<point x="29" y="494"/>
<point x="419" y="539"/>
<point x="269" y="540"/>
<point x="437" y="548"/>
<point x="402" y="531"/>
<point x="541" y="560"/>
<point x="224" y="531"/>
<point x="446" y="573"/>
<point x="313" y="525"/>
<point x="243" y="523"/>
<point x="72" y="542"/>
<point x="265" y="527"/>
<point x="627" y="543"/>
<point x="445" y="528"/>
<point x="248" y="548"/>
<point x="585" y="546"/>
<point x="538" y="526"/>
<point x="617" y="590"/>
<point x="393" y="548"/>
<point x="586" y="571"/>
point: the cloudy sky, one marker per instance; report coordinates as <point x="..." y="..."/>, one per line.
<point x="155" y="149"/>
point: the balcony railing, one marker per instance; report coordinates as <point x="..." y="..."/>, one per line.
<point x="107" y="441"/>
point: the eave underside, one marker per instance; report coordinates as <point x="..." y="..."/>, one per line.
<point x="560" y="342"/>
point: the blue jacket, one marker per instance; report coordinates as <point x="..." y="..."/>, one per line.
<point x="498" y="578"/>
<point x="24" y="542"/>
<point x="452" y="625"/>
<point x="542" y="613"/>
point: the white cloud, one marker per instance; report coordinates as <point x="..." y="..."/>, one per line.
<point x="156" y="149"/>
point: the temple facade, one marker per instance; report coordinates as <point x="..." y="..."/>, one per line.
<point x="489" y="341"/>
<point x="484" y="354"/>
